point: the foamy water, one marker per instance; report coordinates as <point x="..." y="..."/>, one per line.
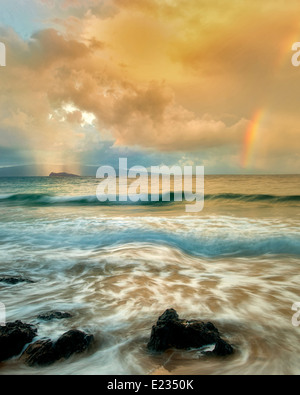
<point x="117" y="268"/>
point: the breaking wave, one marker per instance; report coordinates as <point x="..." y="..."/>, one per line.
<point x="164" y="198"/>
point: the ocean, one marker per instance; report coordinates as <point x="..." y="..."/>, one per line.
<point x="117" y="267"/>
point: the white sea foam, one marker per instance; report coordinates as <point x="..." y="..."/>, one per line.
<point x="116" y="269"/>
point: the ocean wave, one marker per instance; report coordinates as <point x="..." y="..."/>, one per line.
<point x="234" y="240"/>
<point x="90" y="200"/>
<point x="254" y="197"/>
<point x="211" y="248"/>
<point x="164" y="198"/>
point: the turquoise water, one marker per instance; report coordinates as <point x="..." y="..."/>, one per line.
<point x="117" y="267"/>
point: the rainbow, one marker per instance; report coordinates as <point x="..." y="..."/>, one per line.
<point x="252" y="133"/>
<point x="250" y="138"/>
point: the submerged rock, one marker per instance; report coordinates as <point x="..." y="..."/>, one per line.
<point x="15" y="280"/>
<point x="222" y="349"/>
<point x="40" y="353"/>
<point x="73" y="342"/>
<point x="54" y="315"/>
<point x="14" y="337"/>
<point x="172" y="332"/>
<point x="46" y="352"/>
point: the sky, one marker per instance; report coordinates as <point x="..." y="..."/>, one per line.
<point x="160" y="82"/>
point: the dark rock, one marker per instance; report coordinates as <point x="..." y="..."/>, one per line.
<point x="46" y="352"/>
<point x="14" y="337"/>
<point x="72" y="342"/>
<point x="222" y="348"/>
<point x="40" y="353"/>
<point x="15" y="280"/>
<point x="172" y="332"/>
<point x="168" y="315"/>
<point x="54" y="315"/>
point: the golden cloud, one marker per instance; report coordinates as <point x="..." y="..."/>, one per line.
<point x="173" y="76"/>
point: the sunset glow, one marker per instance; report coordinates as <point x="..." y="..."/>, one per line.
<point x="164" y="81"/>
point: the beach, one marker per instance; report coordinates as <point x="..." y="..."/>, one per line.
<point x="117" y="267"/>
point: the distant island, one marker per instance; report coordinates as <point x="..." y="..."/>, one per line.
<point x="62" y="175"/>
